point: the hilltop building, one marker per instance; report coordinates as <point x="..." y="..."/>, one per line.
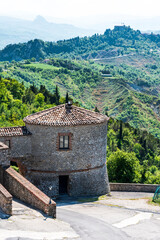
<point x="61" y="150"/>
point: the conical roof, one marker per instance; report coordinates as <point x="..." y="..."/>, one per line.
<point x="65" y="115"/>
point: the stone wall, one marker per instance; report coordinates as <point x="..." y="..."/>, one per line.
<point x="4" y="161"/>
<point x="1" y="174"/>
<point x="88" y="147"/>
<point x="21" y="188"/>
<point x="133" y="187"/>
<point x="20" y="146"/>
<point x="42" y="162"/>
<point x="88" y="153"/>
<point x="80" y="183"/>
<point x="93" y="182"/>
<point x="5" y="200"/>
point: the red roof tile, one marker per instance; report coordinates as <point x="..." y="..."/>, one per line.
<point x="14" y="131"/>
<point x="63" y="115"/>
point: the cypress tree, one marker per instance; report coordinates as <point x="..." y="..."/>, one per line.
<point x="57" y="95"/>
<point x="67" y="97"/>
<point x="96" y="109"/>
<point x="120" y="138"/>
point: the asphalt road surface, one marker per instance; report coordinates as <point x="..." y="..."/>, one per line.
<point x="90" y="228"/>
<point x="122" y="216"/>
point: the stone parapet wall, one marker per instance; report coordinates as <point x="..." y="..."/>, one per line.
<point x="1" y="174"/>
<point x="133" y="187"/>
<point x="24" y="190"/>
<point x="5" y="200"/>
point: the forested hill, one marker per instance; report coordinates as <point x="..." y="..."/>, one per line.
<point x="137" y="152"/>
<point x="117" y="42"/>
<point x="119" y="72"/>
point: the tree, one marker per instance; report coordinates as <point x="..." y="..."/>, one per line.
<point x="39" y="100"/>
<point x="34" y="89"/>
<point x="57" y="95"/>
<point x="28" y="97"/>
<point x="120" y="135"/>
<point x="33" y="59"/>
<point x="67" y="98"/>
<point x="96" y="109"/>
<point x="144" y="171"/>
<point x="111" y="141"/>
<point x="27" y="61"/>
<point x="123" y="167"/>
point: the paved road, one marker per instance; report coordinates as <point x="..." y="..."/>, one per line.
<point x="90" y="228"/>
<point x="30" y="224"/>
<point x="122" y="216"/>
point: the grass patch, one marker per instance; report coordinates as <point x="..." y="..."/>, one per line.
<point x="150" y="201"/>
<point x="103" y="197"/>
<point x="93" y="199"/>
<point x="15" y="168"/>
<point x="43" y="66"/>
<point x="90" y="199"/>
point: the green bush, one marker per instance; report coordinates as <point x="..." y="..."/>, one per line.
<point x="123" y="167"/>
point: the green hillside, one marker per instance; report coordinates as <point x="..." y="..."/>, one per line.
<point x="137" y="152"/>
<point x="120" y="41"/>
<point x="128" y="94"/>
<point x="118" y="71"/>
<point x="132" y="154"/>
<point x="16" y="101"/>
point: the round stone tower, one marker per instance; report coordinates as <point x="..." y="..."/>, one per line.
<point x="68" y="151"/>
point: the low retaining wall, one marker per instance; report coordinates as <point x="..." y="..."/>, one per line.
<point x="1" y="174"/>
<point x="5" y="200"/>
<point x="133" y="187"/>
<point x="21" y="188"/>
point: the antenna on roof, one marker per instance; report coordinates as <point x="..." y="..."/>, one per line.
<point x="69" y="103"/>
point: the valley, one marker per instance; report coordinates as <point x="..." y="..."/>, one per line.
<point x="117" y="74"/>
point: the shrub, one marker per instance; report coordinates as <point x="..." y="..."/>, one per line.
<point x="123" y="167"/>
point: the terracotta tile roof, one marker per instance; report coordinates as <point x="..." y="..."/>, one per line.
<point x="63" y="115"/>
<point x="14" y="131"/>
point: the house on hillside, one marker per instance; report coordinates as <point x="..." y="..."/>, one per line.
<point x="61" y="150"/>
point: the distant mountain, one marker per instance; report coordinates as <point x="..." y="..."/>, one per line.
<point x="14" y="30"/>
<point x="120" y="41"/>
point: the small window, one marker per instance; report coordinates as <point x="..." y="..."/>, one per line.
<point x="8" y="143"/>
<point x="64" y="142"/>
